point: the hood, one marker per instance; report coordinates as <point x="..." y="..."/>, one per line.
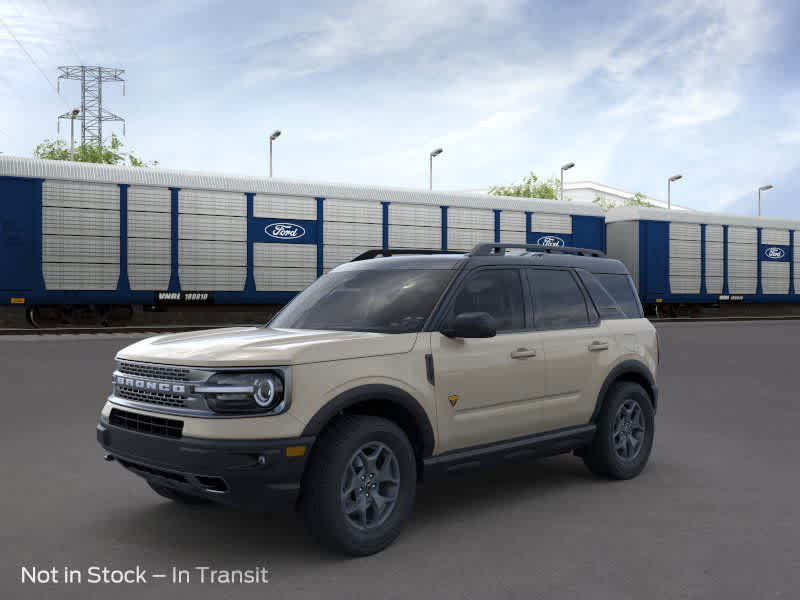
<point x="263" y="346"/>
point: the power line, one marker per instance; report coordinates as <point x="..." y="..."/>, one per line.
<point x="66" y="31"/>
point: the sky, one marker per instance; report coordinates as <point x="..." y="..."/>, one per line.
<point x="632" y="92"/>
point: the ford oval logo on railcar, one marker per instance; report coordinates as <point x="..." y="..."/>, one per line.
<point x="550" y="240"/>
<point x="285" y="231"/>
<point x="774" y="253"/>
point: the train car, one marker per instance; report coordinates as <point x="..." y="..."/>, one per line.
<point x="82" y="238"/>
<point x="687" y="259"/>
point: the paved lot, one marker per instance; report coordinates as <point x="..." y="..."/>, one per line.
<point x="715" y="515"/>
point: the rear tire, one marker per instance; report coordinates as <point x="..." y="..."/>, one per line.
<point x="625" y="430"/>
<point x="175" y="495"/>
<point x="359" y="488"/>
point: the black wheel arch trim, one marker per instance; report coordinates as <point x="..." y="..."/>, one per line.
<point x="627" y="367"/>
<point x="372" y="392"/>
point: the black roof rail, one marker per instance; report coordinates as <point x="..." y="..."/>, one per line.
<point x="399" y="252"/>
<point x="487" y="249"/>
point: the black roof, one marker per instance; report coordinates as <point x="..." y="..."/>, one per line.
<point x="590" y="260"/>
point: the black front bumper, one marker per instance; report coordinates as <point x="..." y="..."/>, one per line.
<point x="251" y="474"/>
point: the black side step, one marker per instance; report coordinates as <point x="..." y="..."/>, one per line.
<point x="539" y="445"/>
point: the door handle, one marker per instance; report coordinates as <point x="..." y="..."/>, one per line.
<point x="523" y="353"/>
<point x="596" y="346"/>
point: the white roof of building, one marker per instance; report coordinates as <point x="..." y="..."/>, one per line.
<point x="613" y="191"/>
<point x="636" y="213"/>
<point x="14" y="166"/>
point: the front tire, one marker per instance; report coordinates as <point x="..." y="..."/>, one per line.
<point x="624" y="437"/>
<point x="360" y="485"/>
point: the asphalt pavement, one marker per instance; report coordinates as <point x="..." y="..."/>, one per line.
<point x="716" y="514"/>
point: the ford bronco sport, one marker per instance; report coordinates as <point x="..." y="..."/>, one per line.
<point x="389" y="367"/>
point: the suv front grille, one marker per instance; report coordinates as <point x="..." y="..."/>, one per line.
<point x="162" y="399"/>
<point x="170" y="428"/>
<point x="154" y="371"/>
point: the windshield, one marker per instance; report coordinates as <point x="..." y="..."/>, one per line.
<point x="384" y="301"/>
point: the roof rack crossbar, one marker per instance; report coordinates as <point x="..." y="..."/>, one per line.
<point x="487" y="249"/>
<point x="400" y="251"/>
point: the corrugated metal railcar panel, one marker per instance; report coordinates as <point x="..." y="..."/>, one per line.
<point x="213" y="228"/>
<point x="203" y="252"/>
<point x="411" y="236"/>
<point x="512" y="220"/>
<point x="679" y="248"/>
<point x="514" y="237"/>
<point x="775" y="276"/>
<point x="470" y="218"/>
<point x="415" y="214"/>
<point x="80" y="221"/>
<point x="466" y="239"/>
<point x="775" y="236"/>
<point x="203" y="278"/>
<point x="714" y="285"/>
<point x="353" y="211"/>
<point x="149" y="225"/>
<point x="352" y="234"/>
<point x="283" y="280"/>
<point x="334" y="256"/>
<point x="622" y="242"/>
<point x="204" y="202"/>
<point x="80" y="194"/>
<point x="551" y="223"/>
<point x="149" y="199"/>
<point x="149" y="251"/>
<point x="742" y="285"/>
<point x="685" y="285"/>
<point x="713" y="233"/>
<point x="747" y="252"/>
<point x="285" y="255"/>
<point x="74" y="276"/>
<point x="149" y="277"/>
<point x="684" y="267"/>
<point x="714" y="267"/>
<point x="684" y="231"/>
<point x="714" y="250"/>
<point x="80" y="249"/>
<point x="284" y="207"/>
<point x="742" y="235"/>
<point x="742" y="268"/>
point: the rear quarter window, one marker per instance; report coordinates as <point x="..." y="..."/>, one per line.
<point x="622" y="290"/>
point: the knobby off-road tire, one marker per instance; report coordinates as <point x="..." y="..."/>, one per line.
<point x="175" y="495"/>
<point x="359" y="488"/>
<point x="625" y="429"/>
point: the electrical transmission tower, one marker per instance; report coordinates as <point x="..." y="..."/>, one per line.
<point x="92" y="113"/>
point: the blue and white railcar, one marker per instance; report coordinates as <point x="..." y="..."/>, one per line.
<point x="687" y="257"/>
<point x="96" y="235"/>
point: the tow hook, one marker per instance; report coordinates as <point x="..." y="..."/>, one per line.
<point x="108" y="457"/>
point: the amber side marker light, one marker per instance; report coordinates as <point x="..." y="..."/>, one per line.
<point x="18" y="301"/>
<point x="295" y="451"/>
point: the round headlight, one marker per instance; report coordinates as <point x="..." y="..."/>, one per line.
<point x="268" y="391"/>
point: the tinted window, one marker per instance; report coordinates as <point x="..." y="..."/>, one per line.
<point x="606" y="305"/>
<point x="494" y="291"/>
<point x="621" y="289"/>
<point x="558" y="301"/>
<point x="385" y="301"/>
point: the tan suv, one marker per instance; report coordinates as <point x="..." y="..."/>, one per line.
<point x="389" y="367"/>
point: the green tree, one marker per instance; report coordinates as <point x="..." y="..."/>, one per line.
<point x="111" y="154"/>
<point x="530" y="187"/>
<point x="606" y="204"/>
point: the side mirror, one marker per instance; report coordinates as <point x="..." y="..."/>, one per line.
<point x="471" y="325"/>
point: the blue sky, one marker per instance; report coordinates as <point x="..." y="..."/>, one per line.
<point x="632" y="92"/>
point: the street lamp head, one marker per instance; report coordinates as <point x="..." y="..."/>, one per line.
<point x="74" y="112"/>
<point x="436" y="152"/>
<point x="275" y="135"/>
<point x="764" y="188"/>
<point x="568" y="166"/>
<point x="676" y="177"/>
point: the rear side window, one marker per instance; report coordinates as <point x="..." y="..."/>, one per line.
<point x="494" y="291"/>
<point x="607" y="306"/>
<point x="621" y="288"/>
<point x="558" y="302"/>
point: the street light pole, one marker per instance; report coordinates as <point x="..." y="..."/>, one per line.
<point x="436" y="152"/>
<point x="763" y="188"/>
<point x="73" y="113"/>
<point x="669" y="191"/>
<point x="275" y="135"/>
<point x="565" y="167"/>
